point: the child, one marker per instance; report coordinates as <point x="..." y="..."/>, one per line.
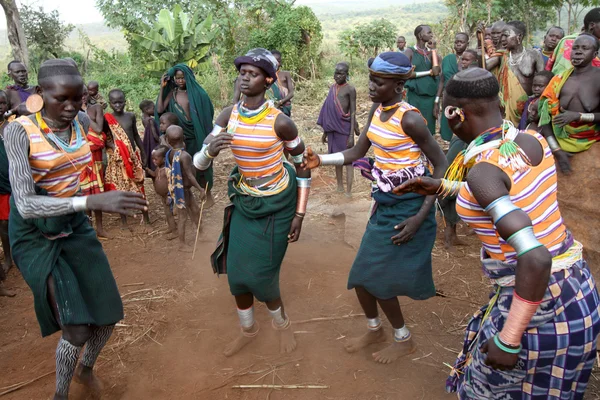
<point x="530" y="116"/>
<point x="165" y="121"/>
<point x="125" y="168"/>
<point x="161" y="186"/>
<point x="468" y="59"/>
<point x="94" y="95"/>
<point x="151" y="135"/>
<point x="181" y="175"/>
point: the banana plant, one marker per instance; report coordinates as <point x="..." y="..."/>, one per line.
<point x="176" y="37"/>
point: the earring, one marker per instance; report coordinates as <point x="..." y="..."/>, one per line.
<point x="34" y="103"/>
<point x="452" y="112"/>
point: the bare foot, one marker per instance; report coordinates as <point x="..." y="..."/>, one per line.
<point x="184" y="248"/>
<point x="102" y="234"/>
<point x="4" y="292"/>
<point x="172" y="236"/>
<point x="340" y="189"/>
<point x="244" y="338"/>
<point x="86" y="377"/>
<point x="210" y="201"/>
<point x="395" y="351"/>
<point x="371" y="337"/>
<point x="451" y="239"/>
<point x="287" y="340"/>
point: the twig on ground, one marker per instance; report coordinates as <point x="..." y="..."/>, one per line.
<point x="280" y="387"/>
<point x="17" y="386"/>
<point x="133" y="284"/>
<point x="320" y="319"/>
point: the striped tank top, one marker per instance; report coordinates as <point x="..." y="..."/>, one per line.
<point x="54" y="170"/>
<point x="533" y="190"/>
<point x="393" y="148"/>
<point x="257" y="149"/>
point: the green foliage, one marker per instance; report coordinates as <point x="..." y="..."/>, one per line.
<point x="45" y="33"/>
<point x="368" y="39"/>
<point x="176" y="37"/>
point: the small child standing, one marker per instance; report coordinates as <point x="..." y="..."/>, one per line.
<point x="530" y="116"/>
<point x="161" y="186"/>
<point x="151" y="135"/>
<point x="181" y="176"/>
<point x="165" y="121"/>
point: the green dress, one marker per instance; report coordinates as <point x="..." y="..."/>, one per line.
<point x="422" y="91"/>
<point x="449" y="68"/>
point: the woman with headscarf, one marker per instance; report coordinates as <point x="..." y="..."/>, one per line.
<point x="268" y="197"/>
<point x="53" y="244"/>
<point x="181" y="94"/>
<point x="536" y="338"/>
<point x="394" y="258"/>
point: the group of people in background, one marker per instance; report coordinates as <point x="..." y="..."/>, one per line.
<point x="510" y="113"/>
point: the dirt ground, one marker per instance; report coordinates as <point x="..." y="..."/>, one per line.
<point x="179" y="316"/>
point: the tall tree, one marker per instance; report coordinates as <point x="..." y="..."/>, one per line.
<point x="16" y="34"/>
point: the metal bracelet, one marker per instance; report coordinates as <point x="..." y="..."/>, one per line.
<point x="524" y="241"/>
<point x="202" y="159"/>
<point x="216" y="130"/>
<point x="553" y="143"/>
<point x="421" y="74"/>
<point x="500" y="208"/>
<point x="303" y="182"/>
<point x="586" y="117"/>
<point x="79" y="203"/>
<point x="332" y="159"/>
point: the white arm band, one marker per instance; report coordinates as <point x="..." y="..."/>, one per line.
<point x="79" y="203"/>
<point x="298" y="159"/>
<point x="216" y="130"/>
<point x="421" y="74"/>
<point x="292" y="144"/>
<point x="500" y="208"/>
<point x="202" y="159"/>
<point x="524" y="241"/>
<point x="553" y="143"/>
<point x="332" y="159"/>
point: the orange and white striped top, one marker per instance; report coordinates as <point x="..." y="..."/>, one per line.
<point x="54" y="170"/>
<point x="393" y="148"/>
<point x="257" y="149"/>
<point x="534" y="191"/>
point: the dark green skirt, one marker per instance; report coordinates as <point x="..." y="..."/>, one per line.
<point x="386" y="270"/>
<point x="254" y="239"/>
<point x="67" y="248"/>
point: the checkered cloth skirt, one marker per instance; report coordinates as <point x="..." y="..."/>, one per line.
<point x="559" y="346"/>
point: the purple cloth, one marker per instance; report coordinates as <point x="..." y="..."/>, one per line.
<point x="333" y="120"/>
<point x="23" y="94"/>
<point x="523" y="122"/>
<point x="336" y="142"/>
<point x="150" y="143"/>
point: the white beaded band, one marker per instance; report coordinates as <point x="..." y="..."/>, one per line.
<point x="500" y="208"/>
<point x="202" y="159"/>
<point x="524" y="241"/>
<point x="553" y="143"/>
<point x="79" y="203"/>
<point x="332" y="159"/>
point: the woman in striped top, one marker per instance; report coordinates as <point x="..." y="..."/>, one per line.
<point x="536" y="339"/>
<point x="268" y="197"/>
<point x="53" y="244"/>
<point x="394" y="258"/>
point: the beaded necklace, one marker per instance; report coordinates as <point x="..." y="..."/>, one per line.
<point x="61" y="144"/>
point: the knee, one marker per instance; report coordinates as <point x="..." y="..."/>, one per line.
<point x="77" y="335"/>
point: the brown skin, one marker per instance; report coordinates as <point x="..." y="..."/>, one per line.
<point x="425" y="41"/>
<point x="580" y="93"/>
<point x="253" y="85"/>
<point x="496" y="34"/>
<point x="175" y="139"/>
<point x="552" y="38"/>
<point x="467" y="60"/>
<point x="488" y="183"/>
<point x="461" y="42"/>
<point x="531" y="60"/>
<point x="161" y="187"/>
<point x="401" y="43"/>
<point x="388" y="92"/>
<point x="63" y="98"/>
<point x="488" y="34"/>
<point x="347" y="99"/>
<point x="20" y="76"/>
<point x="284" y="78"/>
<point x="127" y="121"/>
<point x="180" y="93"/>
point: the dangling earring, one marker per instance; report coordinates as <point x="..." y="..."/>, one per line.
<point x="452" y="112"/>
<point x="34" y="103"/>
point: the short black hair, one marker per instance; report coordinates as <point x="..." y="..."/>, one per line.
<point x="546" y="74"/>
<point x="555" y="27"/>
<point x="465" y="34"/>
<point x="593" y="16"/>
<point x="54" y="68"/>
<point x="401" y="37"/>
<point x="418" y="29"/>
<point x="117" y="92"/>
<point x="473" y="83"/>
<point x="519" y="25"/>
<point x="161" y="149"/>
<point x="276" y="52"/>
<point x="145" y="104"/>
<point x="344" y="64"/>
<point x="171" y="117"/>
<point x="592" y="37"/>
<point x="471" y="51"/>
<point x="13" y="62"/>
<point x="93" y="83"/>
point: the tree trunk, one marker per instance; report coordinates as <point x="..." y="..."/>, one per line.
<point x="569" y="12"/>
<point x="16" y="34"/>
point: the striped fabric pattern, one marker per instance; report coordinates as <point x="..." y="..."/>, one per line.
<point x="257" y="149"/>
<point x="534" y="191"/>
<point x="55" y="171"/>
<point x="393" y="148"/>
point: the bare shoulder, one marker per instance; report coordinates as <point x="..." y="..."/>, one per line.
<point x="411" y="120"/>
<point x="285" y="128"/>
<point x="223" y="117"/>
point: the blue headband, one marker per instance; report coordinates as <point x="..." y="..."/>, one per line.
<point x="391" y="63"/>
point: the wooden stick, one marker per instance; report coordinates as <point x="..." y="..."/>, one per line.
<point x="23" y="384"/>
<point x="200" y="221"/>
<point x="280" y="387"/>
<point x="133" y="284"/>
<point x="304" y="321"/>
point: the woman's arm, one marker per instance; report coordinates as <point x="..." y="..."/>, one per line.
<point x="163" y="103"/>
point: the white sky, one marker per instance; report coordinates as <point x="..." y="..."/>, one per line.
<point x="76" y="11"/>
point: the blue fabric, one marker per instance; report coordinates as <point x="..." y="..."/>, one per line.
<point x="391" y="63"/>
<point x="175" y="178"/>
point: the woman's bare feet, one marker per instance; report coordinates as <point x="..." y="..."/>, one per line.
<point x="244" y="338"/>
<point x="85" y="376"/>
<point x="102" y="234"/>
<point x="451" y="238"/>
<point x="287" y="341"/>
<point x="371" y="337"/>
<point x="394" y="351"/>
